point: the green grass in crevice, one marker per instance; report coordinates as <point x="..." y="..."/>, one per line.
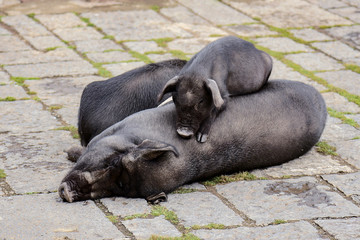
<point x="324" y="148"/>
<point x="343" y="118"/>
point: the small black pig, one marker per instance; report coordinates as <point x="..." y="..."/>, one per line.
<point x="226" y="67"/>
<point x="104" y="103"/>
<point x="143" y="155"/>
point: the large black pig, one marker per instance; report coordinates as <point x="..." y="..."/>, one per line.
<point x="226" y="67"/>
<point x="104" y="103"/>
<point x="142" y="155"/>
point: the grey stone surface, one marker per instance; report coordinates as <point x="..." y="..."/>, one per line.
<point x="4" y="31"/>
<point x="342" y="229"/>
<point x="96" y="45"/>
<point x="315" y="61"/>
<point x="181" y="14"/>
<point x="311" y="163"/>
<point x="56" y="21"/>
<point x="25" y="25"/>
<point x="194" y="214"/>
<point x="302" y="198"/>
<point x="340" y="103"/>
<point x="120" y="206"/>
<point x="12" y="43"/>
<point x="119" y="68"/>
<point x="337" y="50"/>
<point x="25" y="57"/>
<point x="191" y="45"/>
<point x="13" y="117"/>
<point x="288" y="13"/>
<point x="44" y="42"/>
<point x="298" y="230"/>
<point x="160" y="57"/>
<point x="349" y="150"/>
<point x="78" y="33"/>
<point x="54" y="219"/>
<point x="281" y="44"/>
<point x="35" y="165"/>
<point x="140" y="25"/>
<point x="335" y="131"/>
<point x="309" y="34"/>
<point x="348" y="12"/>
<point x="145" y="228"/>
<point x="109" y="57"/>
<point x="216" y="12"/>
<point x="64" y="93"/>
<point x="348" y="33"/>
<point x="281" y="71"/>
<point x="328" y="3"/>
<point x="143" y="46"/>
<point x="252" y="30"/>
<point x="41" y="70"/>
<point x="4" y="78"/>
<point x="344" y="79"/>
<point x="347" y="183"/>
<point x="12" y="91"/>
<point x="202" y="31"/>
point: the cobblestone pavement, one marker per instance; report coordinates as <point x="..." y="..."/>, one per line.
<point x="48" y="53"/>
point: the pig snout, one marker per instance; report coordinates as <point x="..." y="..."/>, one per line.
<point x="185" y="132"/>
<point x="65" y="192"/>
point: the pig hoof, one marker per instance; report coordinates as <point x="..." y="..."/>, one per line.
<point x="65" y="193"/>
<point x="185" y="132"/>
<point x="201" y="137"/>
<point x="157" y="198"/>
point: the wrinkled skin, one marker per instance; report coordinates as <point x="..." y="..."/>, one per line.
<point x="143" y="156"/>
<point x="226" y="67"/>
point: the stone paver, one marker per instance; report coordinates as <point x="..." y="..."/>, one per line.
<point x="25" y="25"/>
<point x="44" y="42"/>
<point x="302" y="198"/>
<point x="281" y="44"/>
<point x="309" y="34"/>
<point x="49" y="53"/>
<point x="344" y="79"/>
<point x="288" y="13"/>
<point x="340" y="103"/>
<point x="25" y="57"/>
<point x="342" y="229"/>
<point x="109" y="57"/>
<point x="348" y="33"/>
<point x="216" y="12"/>
<point x="54" y="219"/>
<point x="337" y="50"/>
<point x="145" y="228"/>
<point x="126" y="207"/>
<point x="348" y="12"/>
<point x="12" y="43"/>
<point x="252" y="30"/>
<point x="315" y="61"/>
<point x="12" y="91"/>
<point x="311" y="163"/>
<point x="189" y="215"/>
<point x="55" y="69"/>
<point x="96" y="45"/>
<point x="298" y="230"/>
<point x="56" y="21"/>
<point x="119" y="68"/>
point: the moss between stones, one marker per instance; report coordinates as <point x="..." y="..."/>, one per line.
<point x="324" y="148"/>
<point x="343" y="118"/>
<point x="73" y="130"/>
<point x="231" y="178"/>
<point x="2" y="173"/>
<point x="187" y="236"/>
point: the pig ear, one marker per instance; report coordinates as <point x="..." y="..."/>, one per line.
<point x="170" y="86"/>
<point x="215" y="92"/>
<point x="151" y="149"/>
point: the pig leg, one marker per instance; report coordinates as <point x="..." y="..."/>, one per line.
<point x="157" y="198"/>
<point x="205" y="126"/>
